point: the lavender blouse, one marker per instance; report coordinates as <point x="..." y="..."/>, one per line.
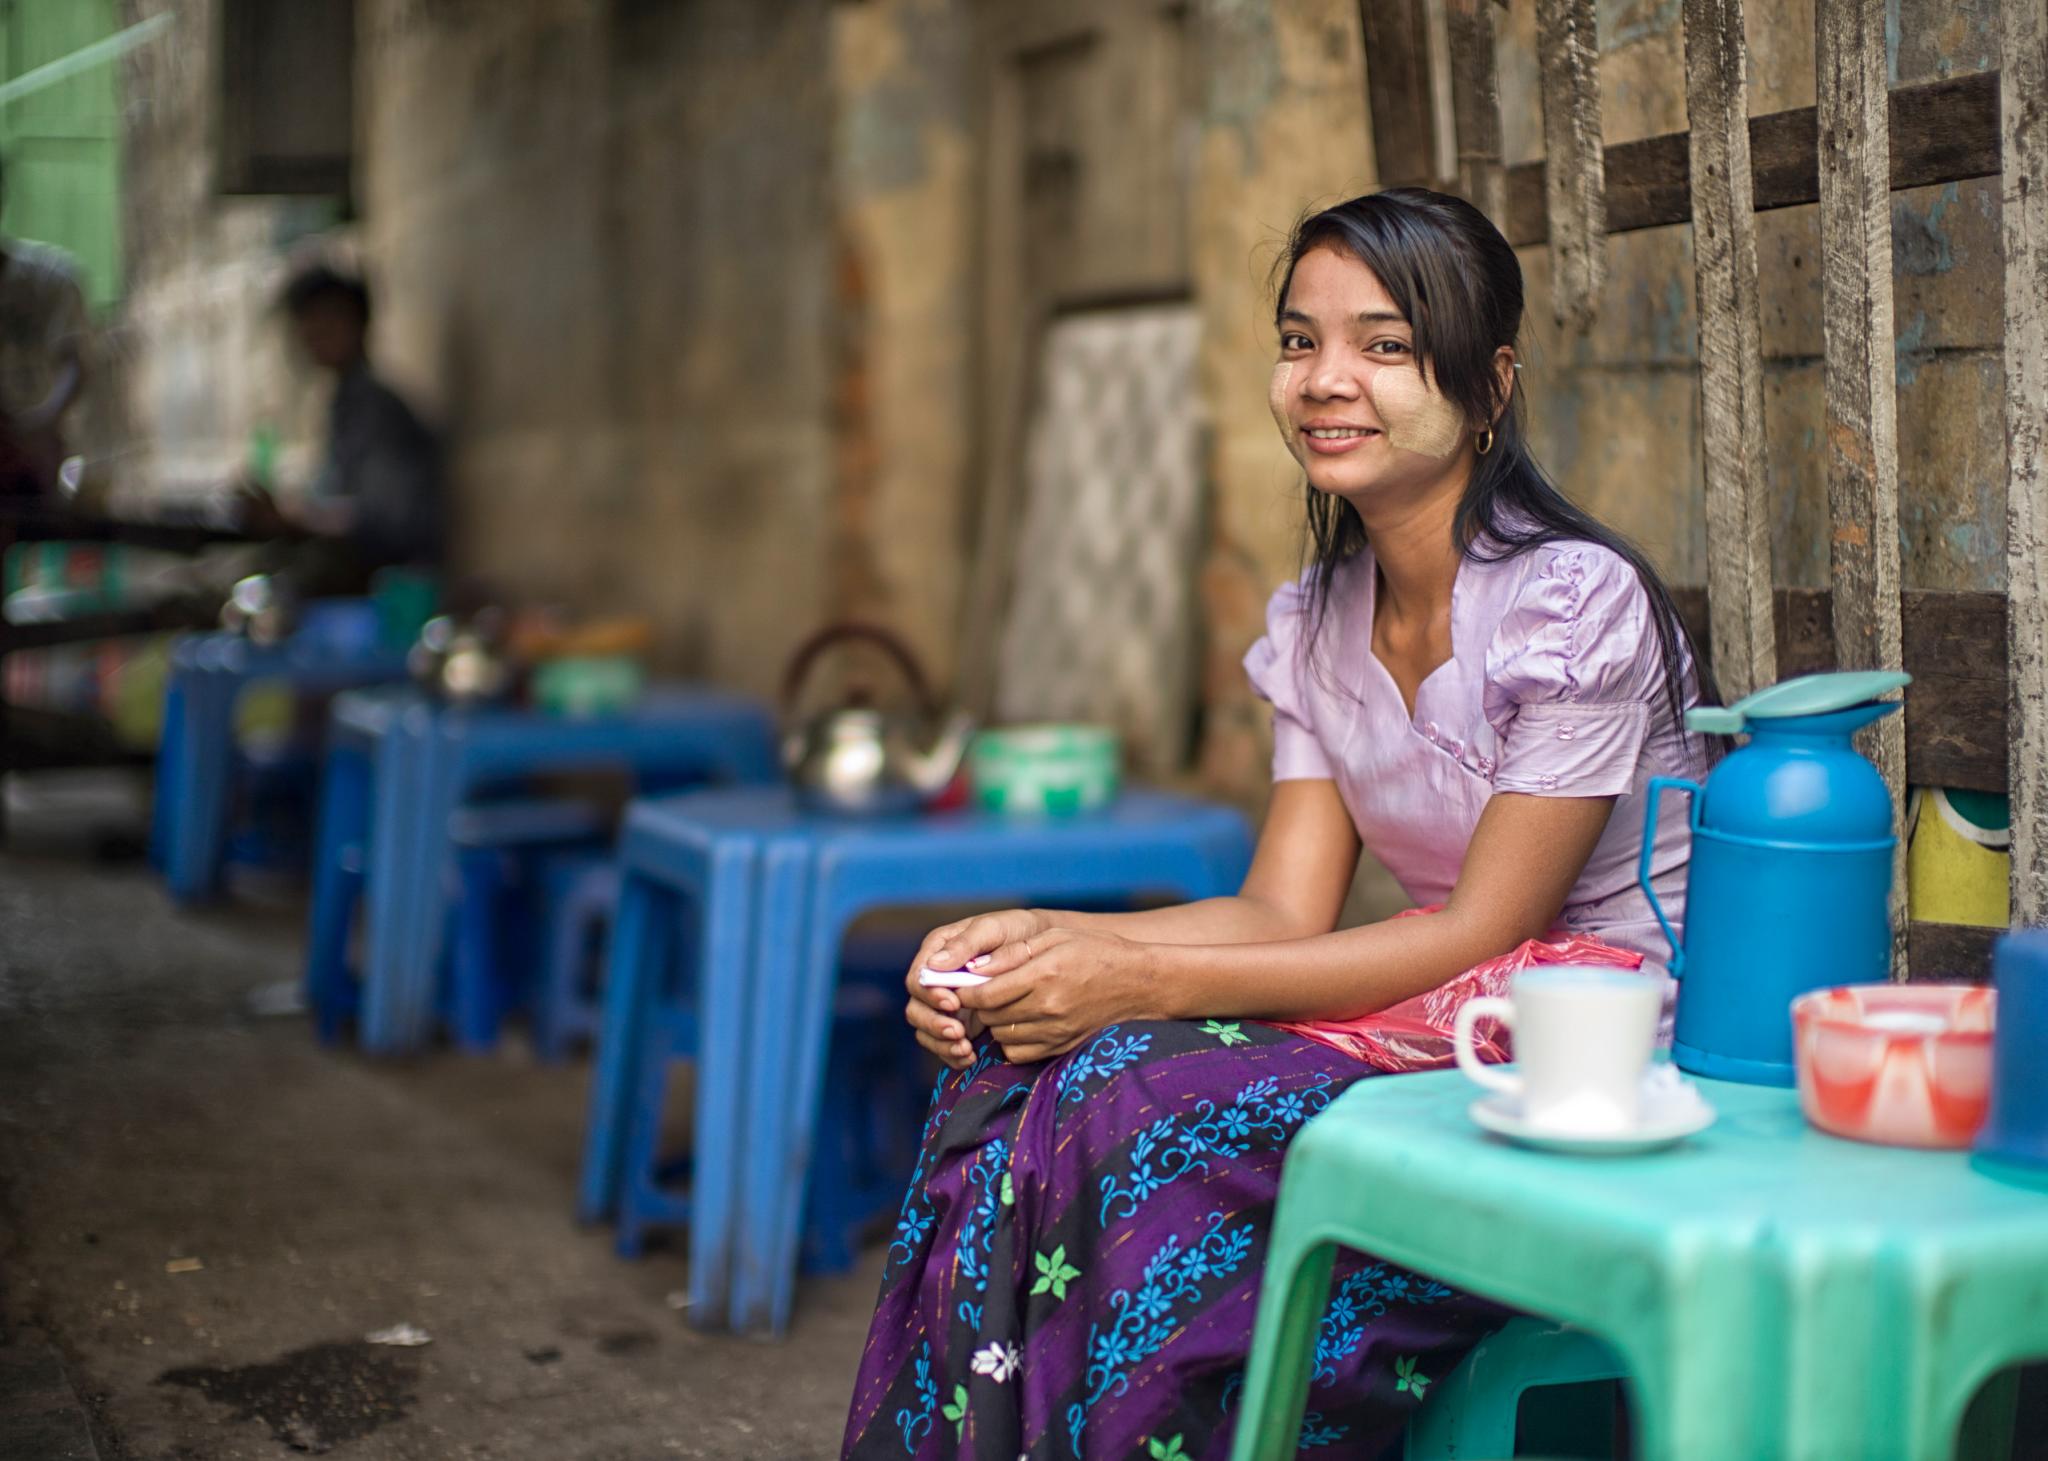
<point x="1554" y="688"/>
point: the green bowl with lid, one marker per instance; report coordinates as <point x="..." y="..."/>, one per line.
<point x="1045" y="770"/>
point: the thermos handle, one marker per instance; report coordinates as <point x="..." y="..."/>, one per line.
<point x="1657" y="786"/>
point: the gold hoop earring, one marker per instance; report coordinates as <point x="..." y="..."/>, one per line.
<point x="1485" y="443"/>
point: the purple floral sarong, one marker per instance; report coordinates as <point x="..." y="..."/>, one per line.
<point x="1075" y="1270"/>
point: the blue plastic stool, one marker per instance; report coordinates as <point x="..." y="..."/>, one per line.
<point x="579" y="893"/>
<point x="275" y="793"/>
<point x="495" y="905"/>
<point x="196" y="771"/>
<point x="441" y="754"/>
<point x="867" y="1140"/>
<point x="863" y="1182"/>
<point x="757" y="898"/>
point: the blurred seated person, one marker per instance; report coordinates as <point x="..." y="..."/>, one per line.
<point x="376" y="500"/>
<point x="43" y="328"/>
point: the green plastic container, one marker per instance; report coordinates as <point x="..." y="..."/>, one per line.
<point x="587" y="685"/>
<point x="405" y="599"/>
<point x="1045" y="770"/>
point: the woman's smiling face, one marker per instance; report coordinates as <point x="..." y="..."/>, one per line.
<point x="1348" y="395"/>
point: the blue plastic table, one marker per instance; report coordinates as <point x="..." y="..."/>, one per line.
<point x="195" y="759"/>
<point x="433" y="755"/>
<point x="773" y="891"/>
<point x="1771" y="1290"/>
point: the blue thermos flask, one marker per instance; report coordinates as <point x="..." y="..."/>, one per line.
<point x="1789" y="886"/>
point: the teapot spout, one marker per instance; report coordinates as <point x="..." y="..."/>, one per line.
<point x="933" y="770"/>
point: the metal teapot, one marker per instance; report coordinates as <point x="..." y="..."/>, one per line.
<point x="261" y="608"/>
<point x="462" y="663"/>
<point x="851" y="759"/>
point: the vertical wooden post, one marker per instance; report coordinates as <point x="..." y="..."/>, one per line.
<point x="1475" y="103"/>
<point x="2023" y="90"/>
<point x="1574" y="165"/>
<point x="1862" y="426"/>
<point x="1731" y="351"/>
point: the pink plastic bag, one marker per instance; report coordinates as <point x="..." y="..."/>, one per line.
<point x="1416" y="1033"/>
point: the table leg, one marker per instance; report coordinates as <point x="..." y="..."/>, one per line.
<point x="411" y="977"/>
<point x="727" y="973"/>
<point x="205" y="787"/>
<point x="1292" y="1297"/>
<point x="394" y="878"/>
<point x="340" y="840"/>
<point x="169" y="790"/>
<point x="630" y="970"/>
<point x="795" y="972"/>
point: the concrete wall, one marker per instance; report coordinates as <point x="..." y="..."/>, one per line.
<point x="695" y="290"/>
<point x="604" y="236"/>
<point x="195" y="357"/>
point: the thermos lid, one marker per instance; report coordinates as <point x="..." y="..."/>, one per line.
<point x="1806" y="695"/>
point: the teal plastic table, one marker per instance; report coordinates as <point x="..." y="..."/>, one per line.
<point x="1772" y="1291"/>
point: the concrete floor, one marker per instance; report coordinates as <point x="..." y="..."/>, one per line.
<point x="146" y="1120"/>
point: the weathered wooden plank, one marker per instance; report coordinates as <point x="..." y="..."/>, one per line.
<point x="1951" y="950"/>
<point x="1398" y="91"/>
<point x="1955" y="649"/>
<point x="1941" y="132"/>
<point x="1475" y="105"/>
<point x="1731" y="349"/>
<point x="2025" y="197"/>
<point x="1862" y="452"/>
<point x="1574" y="172"/>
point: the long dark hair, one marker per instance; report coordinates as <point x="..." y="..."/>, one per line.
<point x="1458" y="282"/>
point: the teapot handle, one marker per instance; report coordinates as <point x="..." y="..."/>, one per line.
<point x="807" y="655"/>
<point x="1657" y="785"/>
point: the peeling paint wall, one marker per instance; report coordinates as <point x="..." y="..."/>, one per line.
<point x="1284" y="129"/>
<point x="905" y="191"/>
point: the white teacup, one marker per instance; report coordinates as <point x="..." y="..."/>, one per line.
<point x="1583" y="1038"/>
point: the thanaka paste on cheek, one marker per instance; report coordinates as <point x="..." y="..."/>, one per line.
<point x="1414" y="412"/>
<point x="1276" y="397"/>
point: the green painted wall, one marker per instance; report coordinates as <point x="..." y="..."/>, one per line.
<point x="61" y="144"/>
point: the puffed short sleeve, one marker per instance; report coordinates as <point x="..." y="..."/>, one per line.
<point x="1573" y="676"/>
<point x="1279" y="674"/>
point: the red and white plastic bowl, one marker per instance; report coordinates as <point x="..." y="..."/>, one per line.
<point x="1898" y="1064"/>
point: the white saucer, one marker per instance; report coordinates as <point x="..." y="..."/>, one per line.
<point x="1671" y="1119"/>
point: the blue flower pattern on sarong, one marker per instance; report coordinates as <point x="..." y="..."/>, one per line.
<point x="1101" y="1058"/>
<point x="1315" y="1434"/>
<point x="916" y="1424"/>
<point x="978" y="1233"/>
<point x="1145" y="1319"/>
<point x="1366" y="1294"/>
<point x="914" y="1217"/>
<point x="1173" y="1146"/>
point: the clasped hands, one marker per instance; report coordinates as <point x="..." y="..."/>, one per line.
<point x="1049" y="987"/>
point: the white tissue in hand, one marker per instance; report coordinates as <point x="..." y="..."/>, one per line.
<point x="949" y="978"/>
